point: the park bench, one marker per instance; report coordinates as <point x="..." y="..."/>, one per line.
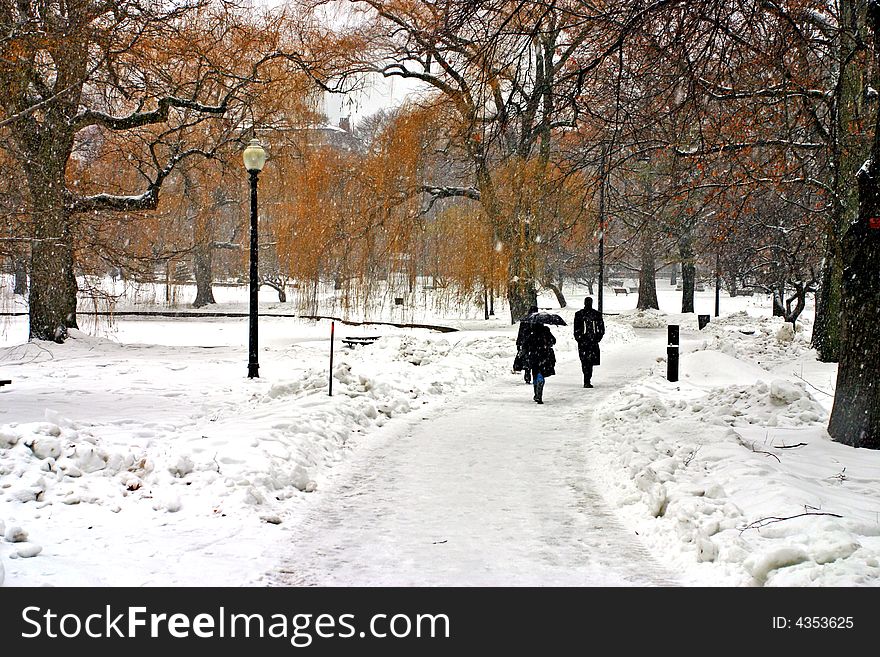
<point x="355" y="341"/>
<point x="620" y="290"/>
<point x="5" y="382"/>
<point x="634" y="289"/>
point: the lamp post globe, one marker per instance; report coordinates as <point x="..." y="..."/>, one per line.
<point x="254" y="157"/>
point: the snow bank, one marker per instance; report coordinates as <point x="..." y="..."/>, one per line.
<point x="203" y="445"/>
<point x="732" y="470"/>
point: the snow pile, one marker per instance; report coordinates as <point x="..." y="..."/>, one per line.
<point x="767" y="342"/>
<point x="616" y="333"/>
<point x="258" y="455"/>
<point x="732" y="469"/>
<point x="649" y="318"/>
<point x="222" y="446"/>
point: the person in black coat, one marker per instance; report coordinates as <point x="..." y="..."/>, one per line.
<point x="538" y="347"/>
<point x="588" y="331"/>
<point x="525" y="328"/>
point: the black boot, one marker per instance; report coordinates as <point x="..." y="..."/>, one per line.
<point x="588" y="374"/>
<point x="527" y="377"/>
<point x="539" y="391"/>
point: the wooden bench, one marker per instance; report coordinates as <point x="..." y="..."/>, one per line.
<point x="5" y="382"/>
<point x="620" y="290"/>
<point x="354" y="341"/>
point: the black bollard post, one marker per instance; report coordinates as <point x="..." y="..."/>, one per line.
<point x="703" y="321"/>
<point x="672" y="353"/>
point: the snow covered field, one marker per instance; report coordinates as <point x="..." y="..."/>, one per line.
<point x="138" y="453"/>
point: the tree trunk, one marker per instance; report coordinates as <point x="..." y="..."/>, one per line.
<point x="52" y="298"/>
<point x="849" y="151"/>
<point x="521" y="289"/>
<point x="779" y="301"/>
<point x="730" y="284"/>
<point x="673" y="277"/>
<point x="557" y="290"/>
<point x="21" y="282"/>
<point x="688" y="281"/>
<point x="204" y="274"/>
<point x="647" y="282"/>
<point x="688" y="265"/>
<point x="855" y="417"/>
<point x="521" y="295"/>
<point x="800" y="299"/>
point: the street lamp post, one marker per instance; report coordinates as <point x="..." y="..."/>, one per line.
<point x="602" y="225"/>
<point x="254" y="158"/>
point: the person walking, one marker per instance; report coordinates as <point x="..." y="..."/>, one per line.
<point x="538" y="347"/>
<point x="520" y="362"/>
<point x="589" y="328"/>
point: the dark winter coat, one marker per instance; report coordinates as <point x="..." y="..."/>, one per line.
<point x="520" y="362"/>
<point x="589" y="328"/>
<point x="538" y="350"/>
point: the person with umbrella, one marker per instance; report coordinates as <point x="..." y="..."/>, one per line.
<point x="520" y="362"/>
<point x="538" y="350"/>
<point x="588" y="331"/>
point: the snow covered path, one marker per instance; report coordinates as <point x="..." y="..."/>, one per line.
<point x="495" y="490"/>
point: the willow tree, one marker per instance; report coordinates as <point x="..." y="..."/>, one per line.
<point x="143" y="77"/>
<point x="505" y="70"/>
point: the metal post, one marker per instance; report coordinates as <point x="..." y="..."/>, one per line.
<point x="672" y="353"/>
<point x="332" y="331"/>
<point x="253" y="348"/>
<point x="718" y="281"/>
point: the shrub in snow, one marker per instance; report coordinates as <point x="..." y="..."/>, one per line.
<point x="15" y="534"/>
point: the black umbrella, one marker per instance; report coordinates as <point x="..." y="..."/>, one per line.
<point x="544" y="318"/>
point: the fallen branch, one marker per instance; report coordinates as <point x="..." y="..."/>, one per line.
<point x="763" y="522"/>
<point x="752" y="447"/>
<point x="760" y="451"/>
<point x="790" y="446"/>
<point x="824" y="392"/>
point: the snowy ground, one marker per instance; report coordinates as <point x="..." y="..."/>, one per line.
<point x="139" y="454"/>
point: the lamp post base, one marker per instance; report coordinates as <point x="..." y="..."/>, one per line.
<point x="253" y="370"/>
